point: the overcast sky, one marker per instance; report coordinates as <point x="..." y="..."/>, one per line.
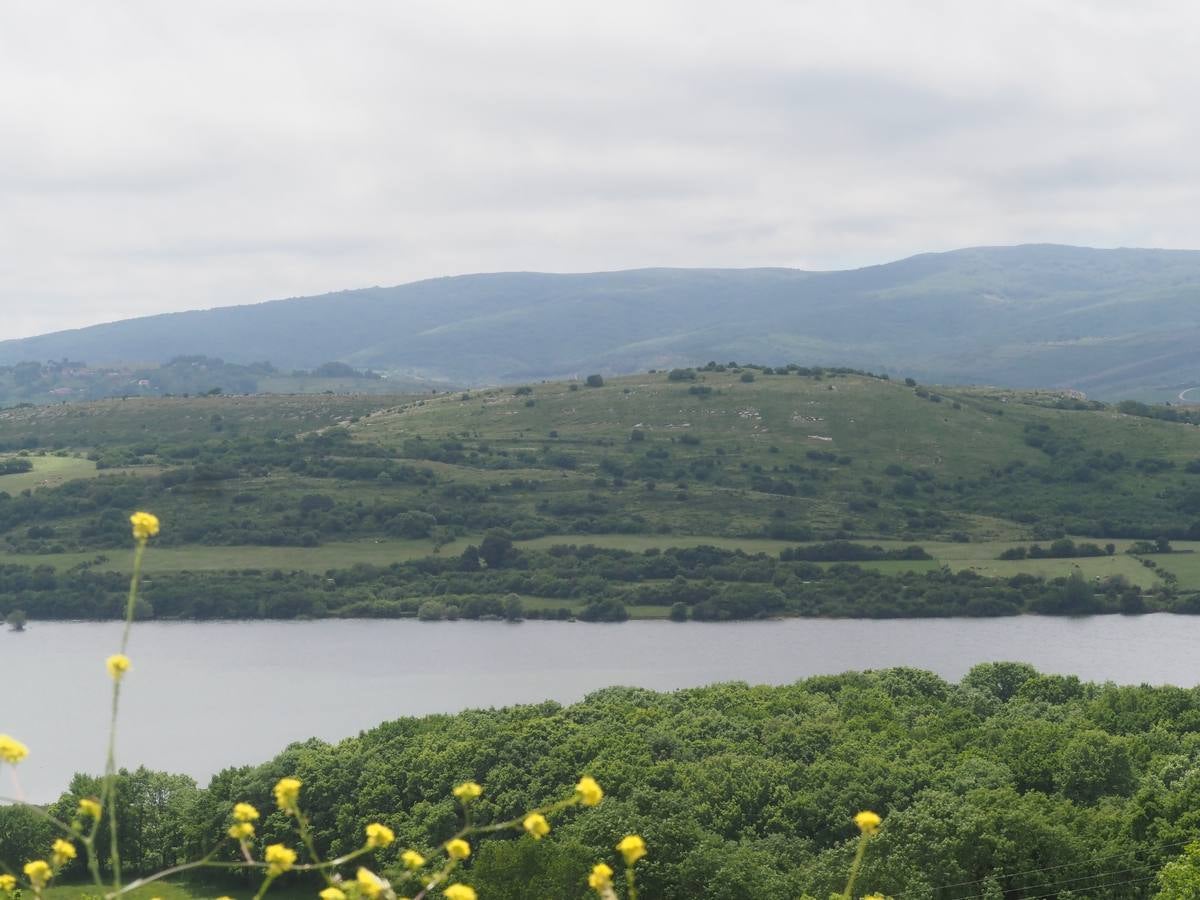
<point x="162" y="155"/>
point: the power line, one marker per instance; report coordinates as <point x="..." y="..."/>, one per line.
<point x="1078" y="862"/>
<point x="1059" y="885"/>
<point x="1093" y="887"/>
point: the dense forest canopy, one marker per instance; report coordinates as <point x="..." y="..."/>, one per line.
<point x="1010" y="783"/>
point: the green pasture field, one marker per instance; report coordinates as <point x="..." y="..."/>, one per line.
<point x="48" y="471"/>
<point x="51" y="471"/>
<point x="980" y="557"/>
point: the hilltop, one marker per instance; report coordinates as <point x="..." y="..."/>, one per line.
<point x="1111" y="323"/>
<point x="377" y="505"/>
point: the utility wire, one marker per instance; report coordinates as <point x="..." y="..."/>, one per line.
<point x="1078" y="862"/>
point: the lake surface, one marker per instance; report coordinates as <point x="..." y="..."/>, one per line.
<point x="203" y="696"/>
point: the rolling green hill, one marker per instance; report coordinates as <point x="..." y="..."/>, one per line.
<point x="1112" y="323"/>
<point x="668" y="485"/>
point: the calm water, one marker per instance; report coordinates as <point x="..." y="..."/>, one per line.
<point x="204" y="696"/>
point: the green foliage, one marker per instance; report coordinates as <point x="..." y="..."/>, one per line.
<point x="1180" y="878"/>
<point x="308" y="473"/>
<point x="1010" y="783"/>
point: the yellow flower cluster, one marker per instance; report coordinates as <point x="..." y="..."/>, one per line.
<point x="279" y="859"/>
<point x="145" y="525"/>
<point x="467" y="791"/>
<point x="244" y="812"/>
<point x="536" y="825"/>
<point x="379" y="835"/>
<point x="588" y="791"/>
<point x="117" y="665"/>
<point x="459" y="892"/>
<point x="62" y="852"/>
<point x="412" y="859"/>
<point x="8" y="884"/>
<point x="867" y="822"/>
<point x="89" y="807"/>
<point x="39" y="873"/>
<point x="242" y="828"/>
<point x="370" y="884"/>
<point x="332" y="893"/>
<point x="601" y="877"/>
<point x="11" y="750"/>
<point x="458" y="849"/>
<point x="632" y="848"/>
<point x="241" y="831"/>
<point x="287" y="794"/>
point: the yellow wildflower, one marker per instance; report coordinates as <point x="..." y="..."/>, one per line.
<point x="38" y="872"/>
<point x="145" y="526"/>
<point x="412" y="859"/>
<point x="588" y="791"/>
<point x="279" y="859"/>
<point x="458" y="849"/>
<point x="241" y="831"/>
<point x="467" y="791"/>
<point x="460" y="892"/>
<point x="536" y="825"/>
<point x="117" y="665"/>
<point x="89" y="807"/>
<point x="633" y="848"/>
<point x="332" y="893"/>
<point x="867" y="822"/>
<point x="601" y="877"/>
<point x="287" y="794"/>
<point x="63" y="852"/>
<point x="244" y="812"/>
<point x="8" y="884"/>
<point x="11" y="750"/>
<point x="224" y="898"/>
<point x="369" y="883"/>
<point x="379" y="835"/>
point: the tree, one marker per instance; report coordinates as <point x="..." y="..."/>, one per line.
<point x="16" y="620"/>
<point x="495" y="548"/>
<point x="514" y="608"/>
<point x="1180" y="878"/>
<point x="431" y="611"/>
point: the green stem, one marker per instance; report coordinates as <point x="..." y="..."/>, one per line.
<point x="856" y="865"/>
<point x="108" y="800"/>
<point x="306" y="838"/>
<point x="263" y="889"/>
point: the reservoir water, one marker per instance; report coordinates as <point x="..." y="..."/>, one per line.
<point x="203" y="696"/>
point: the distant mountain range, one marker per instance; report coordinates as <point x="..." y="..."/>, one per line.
<point x="1111" y="323"/>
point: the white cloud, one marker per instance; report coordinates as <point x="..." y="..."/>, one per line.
<point x="161" y="155"/>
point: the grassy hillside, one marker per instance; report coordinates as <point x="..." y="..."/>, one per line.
<point x="1114" y="323"/>
<point x="646" y="491"/>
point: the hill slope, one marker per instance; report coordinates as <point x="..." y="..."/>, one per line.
<point x="288" y="506"/>
<point x="1113" y="323"/>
